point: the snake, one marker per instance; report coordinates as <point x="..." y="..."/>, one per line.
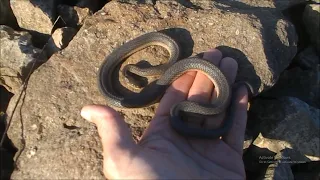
<point x="169" y="72"/>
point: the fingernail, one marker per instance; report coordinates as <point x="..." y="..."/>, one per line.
<point x="86" y="115"/>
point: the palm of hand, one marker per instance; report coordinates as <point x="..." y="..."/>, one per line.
<point x="187" y="158"/>
<point x="161" y="152"/>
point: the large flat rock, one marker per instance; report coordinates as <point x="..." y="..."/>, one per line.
<point x="55" y="142"/>
<point x="35" y="15"/>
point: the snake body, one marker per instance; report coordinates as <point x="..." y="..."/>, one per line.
<point x="170" y="72"/>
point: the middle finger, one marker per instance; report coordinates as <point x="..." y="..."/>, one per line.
<point x="202" y="86"/>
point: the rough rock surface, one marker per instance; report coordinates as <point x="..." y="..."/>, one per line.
<point x="35" y="15"/>
<point x="273" y="30"/>
<point x="59" y="39"/>
<point x="72" y="15"/>
<point x="6" y="14"/>
<point x="16" y="57"/>
<point x="281" y="165"/>
<point x="278" y="5"/>
<point x="302" y="84"/>
<point x="311" y="19"/>
<point x="278" y="171"/>
<point x="307" y="59"/>
<point x="57" y="137"/>
<point x="287" y="122"/>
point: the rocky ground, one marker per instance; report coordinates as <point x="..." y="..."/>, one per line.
<point x="62" y="43"/>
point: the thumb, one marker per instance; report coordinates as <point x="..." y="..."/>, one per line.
<point x="114" y="132"/>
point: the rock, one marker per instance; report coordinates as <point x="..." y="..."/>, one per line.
<point x="254" y="71"/>
<point x="309" y="170"/>
<point x="73" y="16"/>
<point x="278" y="171"/>
<point x="307" y="59"/>
<point x="35" y="15"/>
<point x="311" y="18"/>
<point x="16" y="58"/>
<point x="6" y="15"/>
<point x="278" y="5"/>
<point x="295" y="82"/>
<point x="63" y="85"/>
<point x="59" y="39"/>
<point x="286" y="122"/>
<point x="281" y="165"/>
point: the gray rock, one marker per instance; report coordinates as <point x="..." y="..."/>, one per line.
<point x="311" y="18"/>
<point x="16" y="57"/>
<point x="280" y="169"/>
<point x="278" y="5"/>
<point x="60" y="39"/>
<point x="35" y="15"/>
<point x="6" y="15"/>
<point x="287" y="122"/>
<point x="273" y="30"/>
<point x="57" y="137"/>
<point x="73" y="16"/>
<point x="307" y="59"/>
<point x="295" y="82"/>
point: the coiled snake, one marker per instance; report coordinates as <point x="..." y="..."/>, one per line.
<point x="169" y="72"/>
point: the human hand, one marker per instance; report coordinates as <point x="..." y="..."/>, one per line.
<point x="162" y="153"/>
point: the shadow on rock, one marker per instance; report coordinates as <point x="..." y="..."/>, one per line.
<point x="295" y="15"/>
<point x="246" y="71"/>
<point x="183" y="38"/>
<point x="7" y="150"/>
<point x="6" y="15"/>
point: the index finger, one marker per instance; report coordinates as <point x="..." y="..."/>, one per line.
<point x="177" y="92"/>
